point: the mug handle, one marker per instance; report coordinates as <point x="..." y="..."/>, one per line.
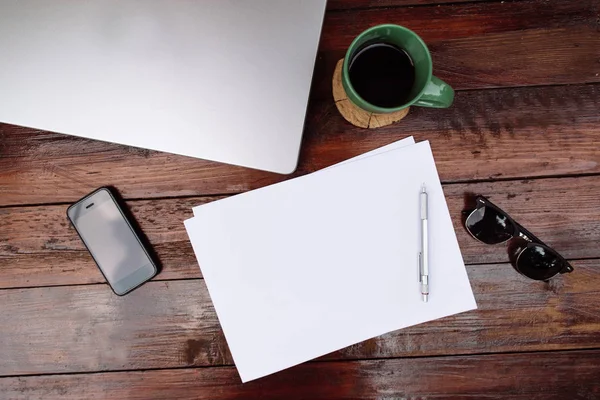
<point x="437" y="94"/>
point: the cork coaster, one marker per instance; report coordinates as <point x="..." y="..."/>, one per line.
<point x="355" y="115"/>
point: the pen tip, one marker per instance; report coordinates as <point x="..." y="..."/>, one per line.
<point x="425" y="298"/>
<point x="423" y="188"/>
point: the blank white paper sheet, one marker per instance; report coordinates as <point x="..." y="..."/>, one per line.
<point x="314" y="264"/>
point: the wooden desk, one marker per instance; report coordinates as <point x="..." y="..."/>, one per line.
<point x="524" y="130"/>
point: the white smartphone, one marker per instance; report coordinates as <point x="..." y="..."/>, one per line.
<point x="112" y="241"/>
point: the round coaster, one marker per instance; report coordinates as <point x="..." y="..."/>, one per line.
<point x="355" y="115"/>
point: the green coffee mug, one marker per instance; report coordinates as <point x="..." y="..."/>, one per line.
<point x="427" y="90"/>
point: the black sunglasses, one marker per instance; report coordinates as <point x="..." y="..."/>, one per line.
<point x="490" y="225"/>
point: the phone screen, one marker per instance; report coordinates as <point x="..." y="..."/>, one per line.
<point x="112" y="242"/>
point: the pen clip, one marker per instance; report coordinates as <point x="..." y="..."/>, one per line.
<point x="419" y="266"/>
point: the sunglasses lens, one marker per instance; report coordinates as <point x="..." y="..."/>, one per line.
<point x="489" y="226"/>
<point x="539" y="262"/>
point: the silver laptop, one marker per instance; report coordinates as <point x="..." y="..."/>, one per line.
<point x="225" y="80"/>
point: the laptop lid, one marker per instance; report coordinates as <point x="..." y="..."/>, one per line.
<point x="225" y="80"/>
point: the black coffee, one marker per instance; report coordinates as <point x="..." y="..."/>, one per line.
<point x="382" y="74"/>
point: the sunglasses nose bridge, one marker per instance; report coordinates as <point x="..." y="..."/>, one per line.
<point x="525" y="237"/>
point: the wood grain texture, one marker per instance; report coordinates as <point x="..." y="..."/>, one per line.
<point x="38" y="247"/>
<point x="344" y="5"/>
<point x="442" y="23"/>
<point x="552" y="375"/>
<point x="503" y="133"/>
<point x="173" y="324"/>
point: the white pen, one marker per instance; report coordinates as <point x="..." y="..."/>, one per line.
<point x="423" y="255"/>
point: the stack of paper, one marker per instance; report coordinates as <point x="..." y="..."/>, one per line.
<point x="308" y="266"/>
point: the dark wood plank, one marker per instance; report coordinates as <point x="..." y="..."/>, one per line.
<point x="439" y="24"/>
<point x="38" y="247"/>
<point x="344" y="5"/>
<point x="553" y="375"/>
<point x="173" y="324"/>
<point x="505" y="133"/>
